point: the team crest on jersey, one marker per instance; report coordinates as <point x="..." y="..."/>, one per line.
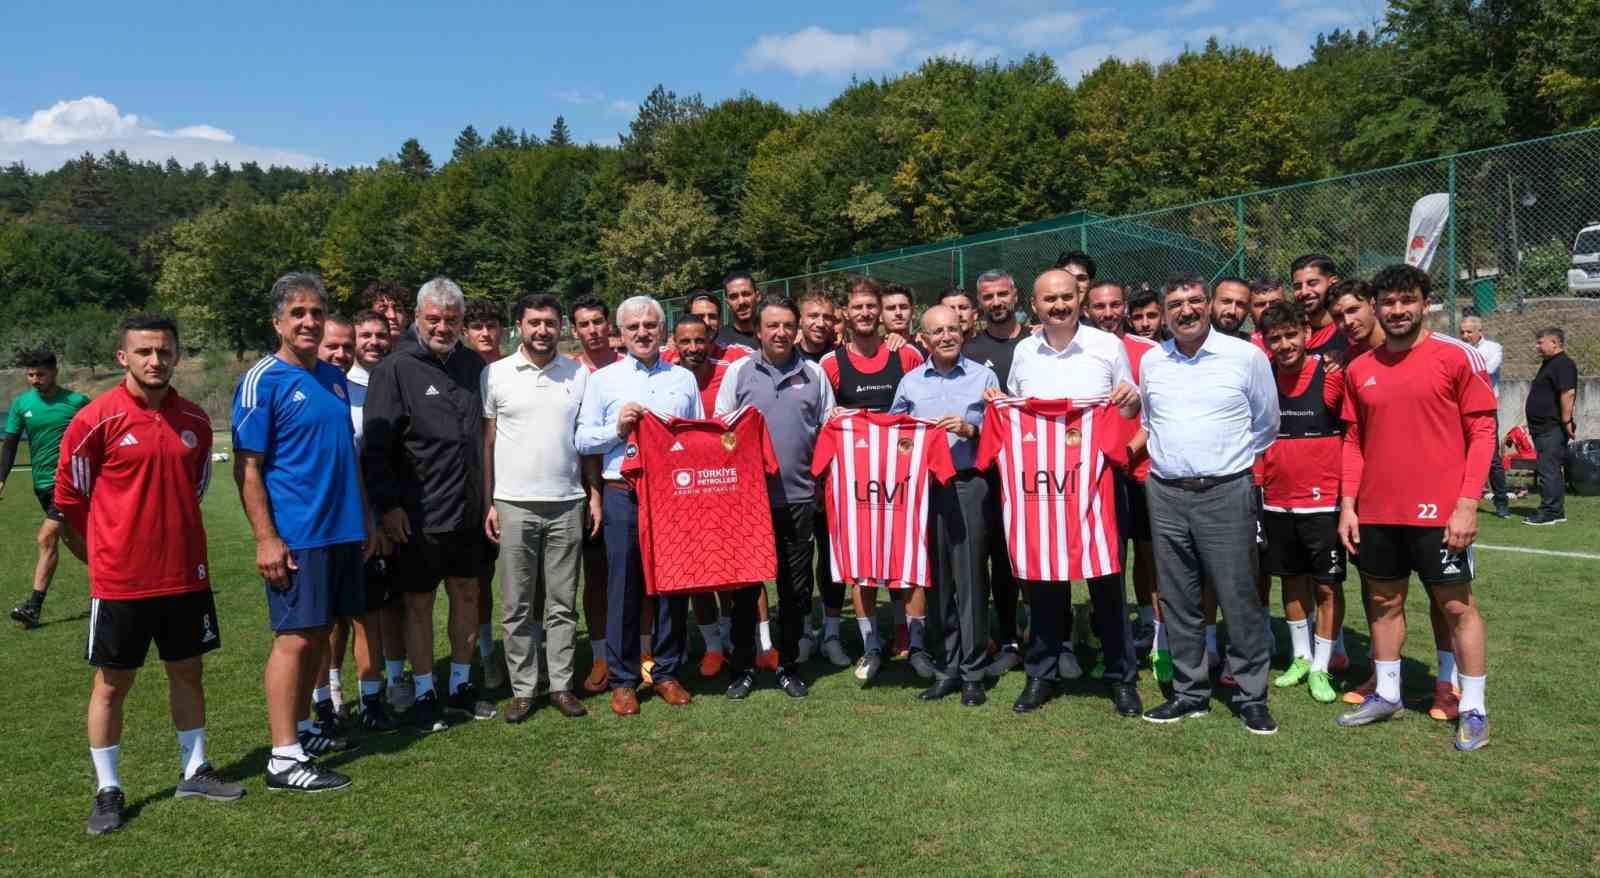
<point x="631" y="451"/>
<point x="338" y="391"/>
<point x="904" y="445"/>
<point x="189" y="439"/>
<point x="1074" y="437"/>
<point x="729" y="441"/>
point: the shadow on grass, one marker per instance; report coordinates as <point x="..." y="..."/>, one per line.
<point x="78" y="618"/>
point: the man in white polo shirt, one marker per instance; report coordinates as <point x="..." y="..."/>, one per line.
<point x="531" y="469"/>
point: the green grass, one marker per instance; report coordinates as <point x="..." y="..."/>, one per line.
<point x="847" y="781"/>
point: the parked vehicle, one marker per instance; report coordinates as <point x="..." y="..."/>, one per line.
<point x="1583" y="278"/>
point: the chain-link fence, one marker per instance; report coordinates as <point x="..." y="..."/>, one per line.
<point x="1515" y="237"/>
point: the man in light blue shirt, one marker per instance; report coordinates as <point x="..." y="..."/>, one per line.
<point x="613" y="401"/>
<point x="1210" y="405"/>
<point x="949" y="389"/>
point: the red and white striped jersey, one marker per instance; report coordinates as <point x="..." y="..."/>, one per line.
<point x="1056" y="487"/>
<point x="875" y="492"/>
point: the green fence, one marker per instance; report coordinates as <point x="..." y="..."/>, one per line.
<point x="1513" y="221"/>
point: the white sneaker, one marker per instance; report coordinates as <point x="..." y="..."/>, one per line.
<point x="867" y="668"/>
<point x="833" y="651"/>
<point x="403" y="694"/>
<point x="808" y="648"/>
<point x="1067" y="666"/>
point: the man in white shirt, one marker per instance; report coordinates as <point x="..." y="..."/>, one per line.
<point x="1069" y="359"/>
<point x="1211" y="408"/>
<point x="1493" y="357"/>
<point x="531" y="470"/>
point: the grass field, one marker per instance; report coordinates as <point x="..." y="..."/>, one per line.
<point x="849" y="781"/>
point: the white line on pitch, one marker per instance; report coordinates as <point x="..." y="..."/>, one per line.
<point x="1555" y="554"/>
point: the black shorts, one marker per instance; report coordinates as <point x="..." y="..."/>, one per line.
<point x="379" y="575"/>
<point x="423" y="561"/>
<point x="1303" y="545"/>
<point x="47" y="502"/>
<point x="1395" y="551"/>
<point x="182" y="626"/>
<point x="1133" y="513"/>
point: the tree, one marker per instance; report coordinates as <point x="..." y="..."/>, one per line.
<point x="503" y="138"/>
<point x="46" y="269"/>
<point x="659" y="243"/>
<point x="370" y="232"/>
<point x="467" y="143"/>
<point x="660" y="111"/>
<point x="414" y="160"/>
<point x="559" y="134"/>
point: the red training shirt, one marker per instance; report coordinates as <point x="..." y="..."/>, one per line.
<point x="1137" y="346"/>
<point x="131" y="480"/>
<point x="1300" y="471"/>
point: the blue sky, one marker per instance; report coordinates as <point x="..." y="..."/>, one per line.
<point x="345" y="83"/>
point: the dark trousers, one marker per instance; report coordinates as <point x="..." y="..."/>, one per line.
<point x="832" y="592"/>
<point x="1003" y="587"/>
<point x="1202" y="536"/>
<point x="1551" y="444"/>
<point x="1497" y="470"/>
<point x="791" y="528"/>
<point x="1048" y="623"/>
<point x="958" y="551"/>
<point x="625" y="595"/>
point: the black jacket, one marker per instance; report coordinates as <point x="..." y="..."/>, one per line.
<point x="422" y="437"/>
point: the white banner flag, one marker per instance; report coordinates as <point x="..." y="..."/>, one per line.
<point x="1428" y="218"/>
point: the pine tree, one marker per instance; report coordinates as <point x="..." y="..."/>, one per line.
<point x="414" y="160"/>
<point x="467" y="143"/>
<point x="503" y="138"/>
<point x="560" y="135"/>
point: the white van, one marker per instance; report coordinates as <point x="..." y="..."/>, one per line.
<point x="1583" y="278"/>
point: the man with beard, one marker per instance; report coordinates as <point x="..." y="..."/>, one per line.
<point x="1078" y="264"/>
<point x="739" y="291"/>
<point x="1311" y="277"/>
<point x="1144" y="315"/>
<point x="1230" y="305"/>
<point x="704" y="307"/>
<point x="818" y="336"/>
<point x="1420" y="429"/>
<point x="994" y="347"/>
<point x="966" y="307"/>
<point x="591" y="323"/>
<point x="895" y="314"/>
<point x="486" y="333"/>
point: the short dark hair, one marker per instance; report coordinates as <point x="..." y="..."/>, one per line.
<point x="339" y="319"/>
<point x="897" y="290"/>
<point x="865" y="285"/>
<point x="379" y="290"/>
<point x="1323" y="264"/>
<point x="738" y="274"/>
<point x="146" y="323"/>
<point x="953" y="292"/>
<point x="483" y="311"/>
<point x="589" y="303"/>
<point x="1143" y="297"/>
<point x="38" y="358"/>
<point x="702" y="296"/>
<point x="1079" y="257"/>
<point x="1178" y="281"/>
<point x="1231" y="279"/>
<point x="535" y="302"/>
<point x="367" y="315"/>
<point x="687" y="319"/>
<point x="1264" y="284"/>
<point x="1108" y="282"/>
<point x="1401" y="278"/>
<point x="1280" y="314"/>
<point x="815" y="295"/>
<point x="776" y="300"/>
<point x="1353" y="287"/>
<point x="1554" y="332"/>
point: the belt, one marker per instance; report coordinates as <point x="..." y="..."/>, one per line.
<point x="1200" y="483"/>
<point x="619" y="485"/>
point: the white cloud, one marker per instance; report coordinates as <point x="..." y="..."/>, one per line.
<point x="1289" y="37"/>
<point x="580" y="97"/>
<point x="1050" y="29"/>
<point x="1154" y="46"/>
<point x="817" y="51"/>
<point x="1193" y="8"/>
<point x="93" y="124"/>
<point x="964" y="50"/>
<point x="622" y="108"/>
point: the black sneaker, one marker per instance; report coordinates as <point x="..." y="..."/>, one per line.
<point x="306" y="777"/>
<point x="376" y="717"/>
<point x="107" y="814"/>
<point x="426" y="715"/>
<point x="328" y="717"/>
<point x="792" y="686"/>
<point x="207" y="784"/>
<point x="1537" y="519"/>
<point x="741" y="686"/>
<point x="1257" y="721"/>
<point x="26" y="614"/>
<point x="467" y="701"/>
<point x="316" y="741"/>
<point x="923" y="664"/>
<point x="1502" y="509"/>
<point x="1175" y="709"/>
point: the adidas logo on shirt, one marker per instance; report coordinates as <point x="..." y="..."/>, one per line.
<point x="26" y="415"/>
<point x="676" y="446"/>
<point x="1028" y="437"/>
<point x="1372" y="381"/>
<point x="298" y="397"/>
<point x="432" y="391"/>
<point x="861" y="443"/>
<point x="128" y="440"/>
<point x="1451" y="568"/>
<point x="989" y="363"/>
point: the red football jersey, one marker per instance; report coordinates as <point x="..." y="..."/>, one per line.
<point x="1405" y="445"/>
<point x="725" y="353"/>
<point x="1301" y="469"/>
<point x="876" y="494"/>
<point x="1056" y="486"/>
<point x="1137" y="346"/>
<point x="131" y="480"/>
<point x="711" y="384"/>
<point x="704" y="520"/>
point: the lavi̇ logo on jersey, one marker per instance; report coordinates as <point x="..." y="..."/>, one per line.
<point x="1044" y="483"/>
<point x="877" y="492"/>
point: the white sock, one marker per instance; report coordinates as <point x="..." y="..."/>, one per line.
<point x="1388" y="674"/>
<point x="1338" y="644"/>
<point x="1161" y="637"/>
<point x="1447" y="666"/>
<point x="192" y="750"/>
<point x="369" y="688"/>
<point x="1472" y="694"/>
<point x="899" y="608"/>
<point x="394" y="669"/>
<point x="713" y="637"/>
<point x="869" y="636"/>
<point x="916" y="624"/>
<point x="830" y="627"/>
<point x="764" y="629"/>
<point x="1300" y="638"/>
<point x="1321" y="654"/>
<point x="486" y="640"/>
<point x="334" y="681"/>
<point x="284" y="758"/>
<point x="105" y="766"/>
<point x="423" y="683"/>
<point x="1147" y="615"/>
<point x="320" y="694"/>
<point x="459" y="675"/>
<point x="1211" y="640"/>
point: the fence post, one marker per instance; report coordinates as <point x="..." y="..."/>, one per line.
<point x="1238" y="233"/>
<point x="1450" y="261"/>
<point x="786" y="293"/>
<point x="961" y="267"/>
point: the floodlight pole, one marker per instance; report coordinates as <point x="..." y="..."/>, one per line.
<point x="1450" y="289"/>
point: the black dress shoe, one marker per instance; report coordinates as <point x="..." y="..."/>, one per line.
<point x="741" y="685"/>
<point x="1257" y="720"/>
<point x="941" y="688"/>
<point x="1033" y="696"/>
<point x="1174" y="709"/>
<point x="792" y="686"/>
<point x="1126" y="698"/>
<point x="972" y="695"/>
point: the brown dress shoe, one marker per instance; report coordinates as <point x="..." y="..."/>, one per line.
<point x="624" y="701"/>
<point x="519" y="710"/>
<point x="595" y="683"/>
<point x="672" y="692"/>
<point x="568" y="704"/>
